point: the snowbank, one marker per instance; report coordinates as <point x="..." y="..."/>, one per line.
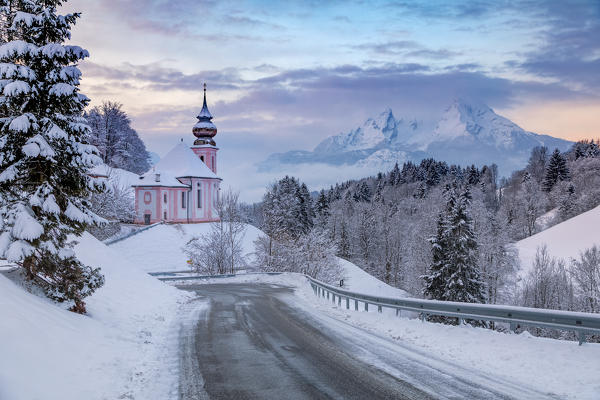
<point x="160" y="249"/>
<point x="121" y="349"/>
<point x="359" y="281"/>
<point x="565" y="240"/>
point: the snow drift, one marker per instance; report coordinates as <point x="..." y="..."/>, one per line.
<point x="118" y="350"/>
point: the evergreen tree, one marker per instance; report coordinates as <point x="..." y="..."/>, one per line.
<point x="394" y="175"/>
<point x="556" y="171"/>
<point x="344" y="242"/>
<point x="306" y="213"/>
<point x="322" y="209"/>
<point x="363" y="192"/>
<point x="454" y="274"/>
<point x="44" y="156"/>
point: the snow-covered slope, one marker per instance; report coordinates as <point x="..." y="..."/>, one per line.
<point x="161" y="248"/>
<point x="116" y="351"/>
<point x="466" y="133"/>
<point x="565" y="240"/>
<point x="359" y="281"/>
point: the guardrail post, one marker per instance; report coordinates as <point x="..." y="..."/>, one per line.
<point x="513" y="327"/>
<point x="398" y="312"/>
<point x="339" y="301"/>
<point x="347" y="303"/>
<point x="327" y="295"/>
<point x="366" y="306"/>
<point x="355" y="305"/>
<point x="379" y="309"/>
<point x="422" y="317"/>
<point x="581" y="337"/>
<point x="460" y="321"/>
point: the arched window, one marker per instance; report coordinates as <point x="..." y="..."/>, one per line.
<point x="165" y="197"/>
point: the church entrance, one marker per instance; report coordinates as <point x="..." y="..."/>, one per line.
<point x="147" y="219"/>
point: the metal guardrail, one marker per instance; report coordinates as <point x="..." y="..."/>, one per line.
<point x="581" y="323"/>
<point x="130" y="234"/>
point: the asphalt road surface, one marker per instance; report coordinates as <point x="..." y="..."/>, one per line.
<point x="251" y="342"/>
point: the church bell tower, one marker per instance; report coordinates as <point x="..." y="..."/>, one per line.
<point x="205" y="146"/>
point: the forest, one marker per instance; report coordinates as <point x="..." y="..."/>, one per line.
<point x="444" y="231"/>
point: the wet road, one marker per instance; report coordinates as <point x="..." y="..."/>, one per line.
<point x="251" y="343"/>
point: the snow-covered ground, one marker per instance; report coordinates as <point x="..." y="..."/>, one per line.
<point x="550" y="366"/>
<point x="159" y="249"/>
<point x="125" y="348"/>
<point x="357" y="280"/>
<point x="565" y="240"/>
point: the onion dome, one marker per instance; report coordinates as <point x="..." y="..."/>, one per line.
<point x="204" y="129"/>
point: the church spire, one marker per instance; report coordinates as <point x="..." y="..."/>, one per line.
<point x="204" y="129"/>
<point x="204" y="115"/>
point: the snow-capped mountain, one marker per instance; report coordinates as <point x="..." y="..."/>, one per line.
<point x="466" y="133"/>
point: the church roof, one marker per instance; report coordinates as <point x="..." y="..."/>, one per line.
<point x="165" y="179"/>
<point x="181" y="162"/>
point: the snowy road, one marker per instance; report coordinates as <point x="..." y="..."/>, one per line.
<point x="252" y="342"/>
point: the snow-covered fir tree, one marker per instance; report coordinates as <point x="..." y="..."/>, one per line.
<point x="454" y="274"/>
<point x="556" y="170"/>
<point x="44" y="157"/>
<point x="322" y="209"/>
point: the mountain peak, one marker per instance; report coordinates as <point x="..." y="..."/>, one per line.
<point x="467" y="132"/>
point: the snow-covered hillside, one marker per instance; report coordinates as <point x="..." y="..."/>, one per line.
<point x="161" y="248"/>
<point x="118" y="351"/>
<point x="565" y="240"/>
<point x="466" y="133"/>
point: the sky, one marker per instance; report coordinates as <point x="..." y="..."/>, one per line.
<point x="284" y="75"/>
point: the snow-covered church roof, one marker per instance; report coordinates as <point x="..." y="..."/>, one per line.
<point x="181" y="162"/>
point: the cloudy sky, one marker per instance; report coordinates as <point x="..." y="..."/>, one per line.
<point x="284" y="75"/>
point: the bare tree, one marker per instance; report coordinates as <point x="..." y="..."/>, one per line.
<point x="586" y="273"/>
<point x="220" y="251"/>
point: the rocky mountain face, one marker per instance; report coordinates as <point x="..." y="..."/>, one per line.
<point x="466" y="133"/>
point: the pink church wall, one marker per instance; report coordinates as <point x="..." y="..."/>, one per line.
<point x="209" y="154"/>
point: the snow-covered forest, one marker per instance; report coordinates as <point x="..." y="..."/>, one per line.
<point x="392" y="224"/>
<point x="117" y="142"/>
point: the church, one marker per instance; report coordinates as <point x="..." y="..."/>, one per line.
<point x="183" y="187"/>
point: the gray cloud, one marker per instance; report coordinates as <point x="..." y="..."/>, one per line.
<point x="570" y="50"/>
